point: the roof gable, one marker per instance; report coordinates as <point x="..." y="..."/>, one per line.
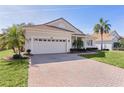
<point x="114" y="33"/>
<point x="62" y="23"/>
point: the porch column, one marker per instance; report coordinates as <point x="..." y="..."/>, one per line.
<point x="76" y="37"/>
<point x="76" y="40"/>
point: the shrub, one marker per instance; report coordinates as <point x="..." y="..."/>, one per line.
<point x="117" y="44"/>
<point x="91" y="49"/>
<point x="17" y="56"/>
<point x="76" y="50"/>
<point x="28" y="51"/>
<point x="120" y="49"/>
<point x="105" y="49"/>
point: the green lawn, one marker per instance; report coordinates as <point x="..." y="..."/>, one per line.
<point x="115" y="58"/>
<point x="13" y="73"/>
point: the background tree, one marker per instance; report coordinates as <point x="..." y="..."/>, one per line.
<point x="116" y="45"/>
<point x="25" y="24"/>
<point x="102" y="27"/>
<point x="122" y="42"/>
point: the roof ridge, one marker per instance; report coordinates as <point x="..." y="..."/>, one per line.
<point x="54" y="20"/>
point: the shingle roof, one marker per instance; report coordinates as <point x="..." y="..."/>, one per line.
<point x="45" y="24"/>
<point x="106" y="36"/>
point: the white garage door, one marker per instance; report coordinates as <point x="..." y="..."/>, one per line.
<point x="44" y="46"/>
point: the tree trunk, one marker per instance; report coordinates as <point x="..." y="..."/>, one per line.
<point x="101" y="40"/>
<point x="19" y="51"/>
<point x="13" y="49"/>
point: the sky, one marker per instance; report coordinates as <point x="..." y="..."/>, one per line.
<point x="83" y="17"/>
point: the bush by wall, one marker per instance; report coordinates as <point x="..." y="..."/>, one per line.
<point x="91" y="49"/>
<point x="120" y="49"/>
<point x="76" y="50"/>
<point x="17" y="56"/>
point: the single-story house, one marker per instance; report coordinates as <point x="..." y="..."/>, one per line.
<point x="108" y="39"/>
<point x="55" y="36"/>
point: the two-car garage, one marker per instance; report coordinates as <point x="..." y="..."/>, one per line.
<point x="47" y="45"/>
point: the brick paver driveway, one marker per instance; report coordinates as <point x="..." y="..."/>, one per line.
<point x="72" y="70"/>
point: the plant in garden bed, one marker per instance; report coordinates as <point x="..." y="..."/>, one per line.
<point x="77" y="44"/>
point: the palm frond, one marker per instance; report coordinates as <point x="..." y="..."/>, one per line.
<point x="106" y="21"/>
<point x="96" y="28"/>
<point x="14" y="38"/>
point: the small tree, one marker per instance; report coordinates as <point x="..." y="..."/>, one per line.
<point x="13" y="38"/>
<point x="78" y="43"/>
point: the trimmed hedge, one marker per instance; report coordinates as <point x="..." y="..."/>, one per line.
<point x="105" y="49"/>
<point x="75" y="50"/>
<point x="120" y="49"/>
<point x="91" y="49"/>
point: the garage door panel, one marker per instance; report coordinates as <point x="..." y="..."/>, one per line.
<point x="49" y="46"/>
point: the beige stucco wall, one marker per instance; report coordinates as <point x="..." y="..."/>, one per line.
<point x="46" y="33"/>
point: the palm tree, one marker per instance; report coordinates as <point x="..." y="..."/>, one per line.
<point x="13" y="38"/>
<point x="102" y="27"/>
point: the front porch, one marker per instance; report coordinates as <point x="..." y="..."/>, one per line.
<point x="86" y="39"/>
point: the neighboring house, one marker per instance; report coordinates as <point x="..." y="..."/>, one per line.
<point x="54" y="37"/>
<point x="108" y="39"/>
